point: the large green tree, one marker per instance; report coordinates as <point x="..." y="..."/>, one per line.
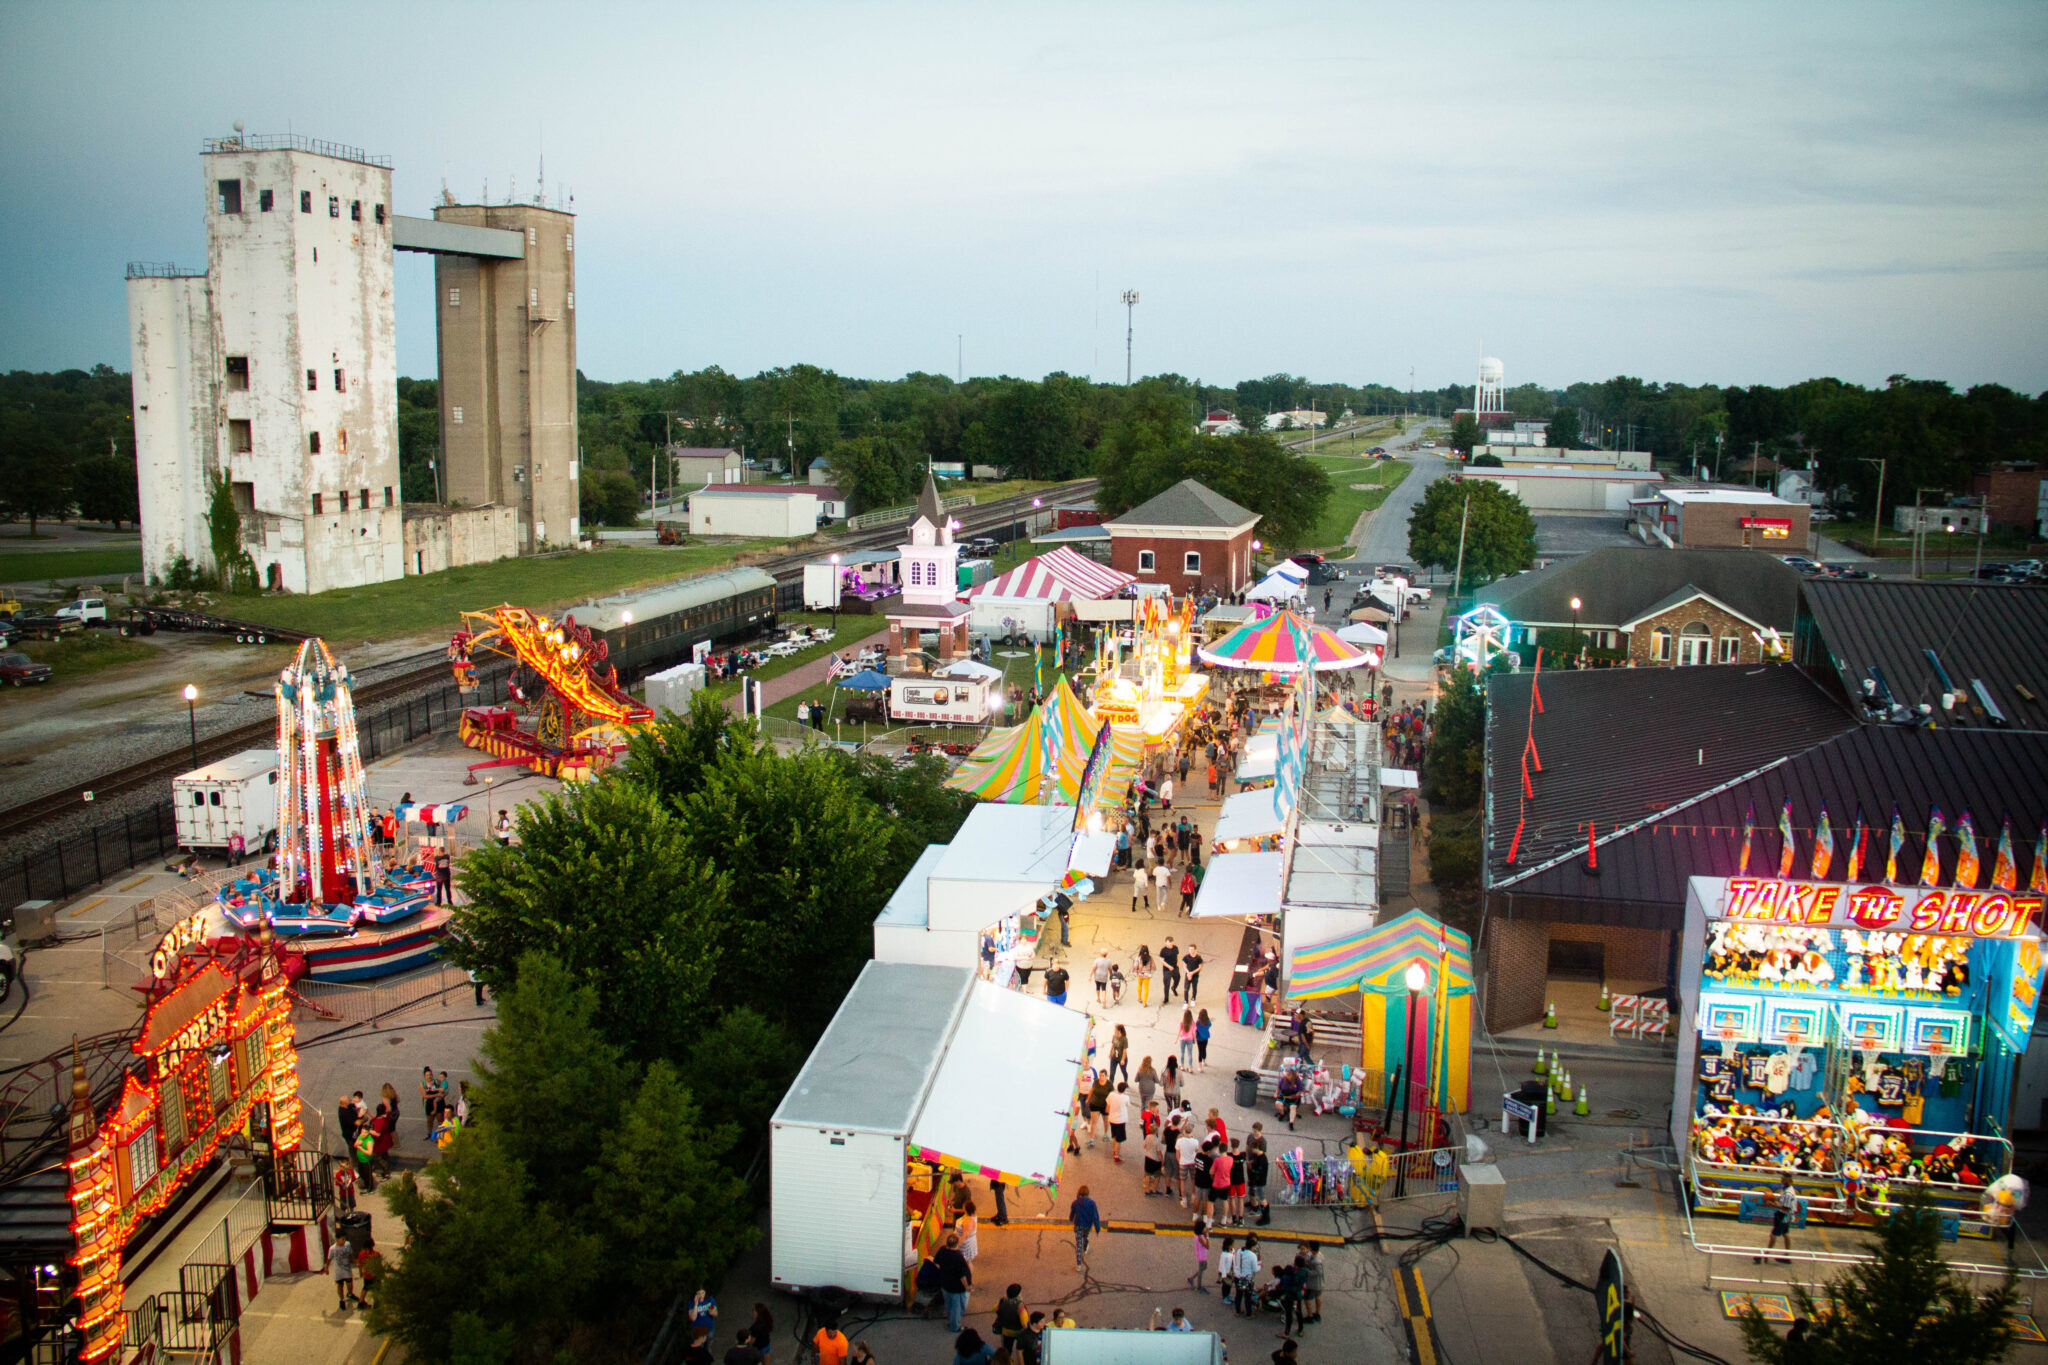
<point x="104" y="486"/>
<point x="606" y="879"/>
<point x="1139" y="459"/>
<point x="1464" y="433"/>
<point x="1903" y="1304"/>
<point x="1564" y="429"/>
<point x="1498" y="537"/>
<point x="1455" y="755"/>
<point x="35" y="470"/>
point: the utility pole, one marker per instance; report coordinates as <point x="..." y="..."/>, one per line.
<point x="1458" y="576"/>
<point x="959" y="357"/>
<point x="1876" y="517"/>
<point x="1130" y="324"/>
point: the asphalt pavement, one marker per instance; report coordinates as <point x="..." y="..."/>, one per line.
<point x="1385" y="540"/>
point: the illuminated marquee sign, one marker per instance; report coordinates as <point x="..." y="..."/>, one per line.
<point x="1951" y="911"/>
<point x="181" y="936"/>
<point x="1773" y="528"/>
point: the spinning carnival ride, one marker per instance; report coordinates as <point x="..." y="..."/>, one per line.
<point x="580" y="713"/>
<point x="353" y="920"/>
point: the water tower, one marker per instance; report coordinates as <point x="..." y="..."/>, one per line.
<point x="1492" y="397"/>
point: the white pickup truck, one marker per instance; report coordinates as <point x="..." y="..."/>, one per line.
<point x="83" y="610"/>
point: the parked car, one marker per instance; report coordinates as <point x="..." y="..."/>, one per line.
<point x="10" y="634"/>
<point x="1801" y="563"/>
<point x="981" y="545"/>
<point x="17" y="669"/>
<point x="83" y="610"/>
<point x="1854" y="573"/>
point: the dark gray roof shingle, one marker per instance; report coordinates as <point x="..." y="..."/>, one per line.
<point x="1617" y="583"/>
<point x="1618" y="745"/>
<point x="1187" y="503"/>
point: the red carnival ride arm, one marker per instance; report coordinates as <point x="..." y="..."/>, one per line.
<point x="565" y="656"/>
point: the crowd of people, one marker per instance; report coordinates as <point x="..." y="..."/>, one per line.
<point x="369" y="1131"/>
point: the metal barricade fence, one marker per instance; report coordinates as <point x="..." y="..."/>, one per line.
<point x="1336" y="1180"/>
<point x="340" y="1004"/>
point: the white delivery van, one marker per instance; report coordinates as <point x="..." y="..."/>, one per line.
<point x="238" y="793"/>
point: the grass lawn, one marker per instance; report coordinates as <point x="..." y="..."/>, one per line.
<point x="1341" y="513"/>
<point x="434" y="602"/>
<point x="38" y="566"/>
<point x="1356" y="441"/>
<point x="990" y="492"/>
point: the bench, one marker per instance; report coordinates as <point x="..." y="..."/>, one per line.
<point x="1331" y="1030"/>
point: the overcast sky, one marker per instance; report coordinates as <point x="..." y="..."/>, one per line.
<point x="1718" y="193"/>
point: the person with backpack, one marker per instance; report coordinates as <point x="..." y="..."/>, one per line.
<point x="1010" y="1320"/>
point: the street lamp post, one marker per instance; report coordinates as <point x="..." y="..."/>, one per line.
<point x="1948" y="552"/>
<point x="1414" y="979"/>
<point x="1575" y="631"/>
<point x="837" y="587"/>
<point x="1017" y="527"/>
<point x="1877" y="516"/>
<point x="192" y="718"/>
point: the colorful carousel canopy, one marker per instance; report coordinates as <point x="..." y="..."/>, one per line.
<point x="1268" y="647"/>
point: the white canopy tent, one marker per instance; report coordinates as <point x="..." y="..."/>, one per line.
<point x="1261" y="744"/>
<point x="1280" y="586"/>
<point x="1038" y="1050"/>
<point x="1240" y="884"/>
<point x="1247" y="815"/>
<point x="968" y="668"/>
<point x="1362" y="633"/>
<point x="1258" y="767"/>
<point x="1400" y="778"/>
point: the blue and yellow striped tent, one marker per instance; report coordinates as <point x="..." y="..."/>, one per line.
<point x="1375" y="964"/>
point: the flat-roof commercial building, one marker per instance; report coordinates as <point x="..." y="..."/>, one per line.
<point x="1554" y="487"/>
<point x="1696" y="518"/>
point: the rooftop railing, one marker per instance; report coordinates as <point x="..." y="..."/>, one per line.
<point x="163" y="270"/>
<point x="292" y="142"/>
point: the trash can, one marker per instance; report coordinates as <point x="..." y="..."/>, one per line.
<point x="354" y="1228"/>
<point x="1248" y="1089"/>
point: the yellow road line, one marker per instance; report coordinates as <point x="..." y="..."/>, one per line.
<point x="379" y="1359"/>
<point x="137" y="882"/>
<point x="1413" y="1301"/>
<point x="96" y="900"/>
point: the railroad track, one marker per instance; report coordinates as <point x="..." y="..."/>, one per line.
<point x="257" y="734"/>
<point x="163" y="767"/>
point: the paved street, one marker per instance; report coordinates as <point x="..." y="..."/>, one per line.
<point x="1385" y="540"/>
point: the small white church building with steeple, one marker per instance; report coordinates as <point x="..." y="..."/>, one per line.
<point x="930" y="568"/>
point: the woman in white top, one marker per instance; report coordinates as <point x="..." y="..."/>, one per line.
<point x="1160" y="875"/>
<point x="966" y="1226"/>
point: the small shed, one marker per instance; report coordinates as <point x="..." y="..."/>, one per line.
<point x="672" y="688"/>
<point x="896" y="1092"/>
<point x="1375" y="963"/>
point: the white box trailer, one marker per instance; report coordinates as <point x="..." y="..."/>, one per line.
<point x="237" y="794"/>
<point x="901" y="1076"/>
<point x="821" y="586"/>
<point x="1129" y="1346"/>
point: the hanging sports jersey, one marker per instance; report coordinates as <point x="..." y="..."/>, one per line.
<point x="1755" y="1069"/>
<point x="1891" y="1086"/>
<point x="1777" y="1073"/>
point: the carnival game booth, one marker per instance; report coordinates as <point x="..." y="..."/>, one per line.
<point x="1045" y="759"/>
<point x="1032" y="598"/>
<point x="975" y="901"/>
<point x="213" y="1063"/>
<point x="923" y="1071"/>
<point x="1864" y="1037"/>
<point x="1375" y="964"/>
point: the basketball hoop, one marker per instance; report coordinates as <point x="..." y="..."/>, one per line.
<point x="1937" y="1049"/>
<point x="1728" y="1041"/>
<point x="1795" y="1046"/>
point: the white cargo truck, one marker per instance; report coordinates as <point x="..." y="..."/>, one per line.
<point x="236" y="795"/>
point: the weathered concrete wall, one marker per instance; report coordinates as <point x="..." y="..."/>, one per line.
<point x="448" y="538"/>
<point x="508" y="371"/>
<point x="170" y="338"/>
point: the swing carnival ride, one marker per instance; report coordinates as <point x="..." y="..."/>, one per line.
<point x="349" y="920"/>
<point x="563" y="676"/>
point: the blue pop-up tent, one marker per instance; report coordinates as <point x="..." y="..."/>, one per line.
<point x="867" y="680"/>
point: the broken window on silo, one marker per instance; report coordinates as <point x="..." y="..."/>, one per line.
<point x="263" y="200"/>
<point x="230" y="196"/>
<point x="238" y="373"/>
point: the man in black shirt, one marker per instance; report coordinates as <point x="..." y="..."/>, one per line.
<point x="1056" y="984"/>
<point x="1193" y="964"/>
<point x="956" y="1280"/>
<point x="699" y="1349"/>
<point x="1169" y="962"/>
<point x="742" y="1352"/>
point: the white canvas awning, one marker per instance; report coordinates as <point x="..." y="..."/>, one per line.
<point x="1240" y="884"/>
<point x="1399" y="777"/>
<point x="1277" y="587"/>
<point x="1092" y="853"/>
<point x="1263" y="744"/>
<point x="1016" y="1130"/>
<point x="1257" y="767"/>
<point x="1247" y="815"/>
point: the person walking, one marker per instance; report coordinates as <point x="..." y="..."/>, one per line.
<point x="1063" y="907"/>
<point x="1119" y="1119"/>
<point x="956" y="1280"/>
<point x="1010" y="1318"/>
<point x="1098" y="1106"/>
<point x="1166" y="793"/>
<point x="1201" y="1231"/>
<point x="1215" y="778"/>
<point x="1155" y="1157"/>
<point x="1221" y="1168"/>
<point x="1169" y="1085"/>
<point x="503" y="831"/>
<point x="341" y="1264"/>
<point x="1142" y="968"/>
<point x="1248" y="1277"/>
<point x="1086" y="1220"/>
<point x="1191" y="967"/>
<point x="1188" y="887"/>
<point x="1147" y="1081"/>
<point x="1202" y="1029"/>
<point x="1784" y="1208"/>
<point x="1120" y="1053"/>
<point x="1169" y="968"/>
<point x="1187" y="1037"/>
<point x="1187" y="1150"/>
<point x="1099" y="973"/>
<point x="1056" y="982"/>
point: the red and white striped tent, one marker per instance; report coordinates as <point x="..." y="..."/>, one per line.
<point x="1055" y="576"/>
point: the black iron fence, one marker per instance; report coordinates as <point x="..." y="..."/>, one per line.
<point x="60" y="870"/>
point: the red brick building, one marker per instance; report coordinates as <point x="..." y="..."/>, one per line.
<point x="1188" y="539"/>
<point x="2011" y="494"/>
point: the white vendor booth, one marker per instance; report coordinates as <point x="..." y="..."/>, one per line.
<point x="988" y="881"/>
<point x="1246" y="818"/>
<point x="898" y="1091"/>
<point x="957" y="694"/>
